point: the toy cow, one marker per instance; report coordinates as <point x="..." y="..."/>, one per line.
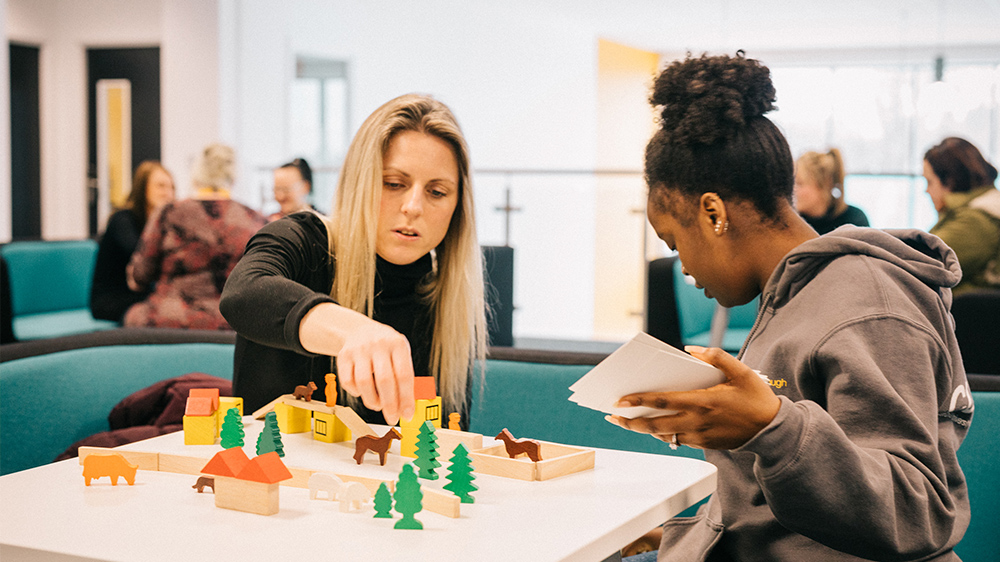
<point x="112" y="465"/>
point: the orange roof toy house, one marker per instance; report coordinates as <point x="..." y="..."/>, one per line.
<point x="200" y="424"/>
<point x="246" y="484"/>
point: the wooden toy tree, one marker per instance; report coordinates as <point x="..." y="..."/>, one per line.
<point x="270" y="437"/>
<point x="383" y="502"/>
<point x="460" y="475"/>
<point x="232" y="429"/>
<point x="408" y="499"/>
<point x="427" y="452"/>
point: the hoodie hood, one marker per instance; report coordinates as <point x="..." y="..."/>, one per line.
<point x="921" y="255"/>
<point x="988" y="202"/>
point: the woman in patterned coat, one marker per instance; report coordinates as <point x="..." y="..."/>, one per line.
<point x="189" y="249"/>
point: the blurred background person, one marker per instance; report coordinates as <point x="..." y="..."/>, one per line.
<point x="292" y="187"/>
<point x="110" y="295"/>
<point x="960" y="183"/>
<point x="189" y="249"/>
<point x="819" y="192"/>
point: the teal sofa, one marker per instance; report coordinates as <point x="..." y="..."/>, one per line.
<point x="55" y="392"/>
<point x="50" y="288"/>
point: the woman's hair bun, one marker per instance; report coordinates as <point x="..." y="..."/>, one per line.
<point x="708" y="99"/>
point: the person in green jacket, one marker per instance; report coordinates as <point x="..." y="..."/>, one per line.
<point x="960" y="183"/>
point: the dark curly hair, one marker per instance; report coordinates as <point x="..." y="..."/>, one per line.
<point x="713" y="135"/>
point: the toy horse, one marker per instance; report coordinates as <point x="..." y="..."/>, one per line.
<point x="378" y="445"/>
<point x="515" y="447"/>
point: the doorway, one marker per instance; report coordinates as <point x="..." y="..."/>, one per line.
<point x="141" y="68"/>
<point x="25" y="144"/>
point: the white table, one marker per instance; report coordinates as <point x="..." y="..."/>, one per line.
<point x="48" y="514"/>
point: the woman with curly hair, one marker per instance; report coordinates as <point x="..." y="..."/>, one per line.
<point x="391" y="285"/>
<point x="836" y="431"/>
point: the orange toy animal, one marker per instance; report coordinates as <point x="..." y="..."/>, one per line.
<point x="304" y="392"/>
<point x="515" y="447"/>
<point x="113" y="465"/>
<point x="378" y="445"/>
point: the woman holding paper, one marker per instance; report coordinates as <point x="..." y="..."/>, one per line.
<point x="845" y="449"/>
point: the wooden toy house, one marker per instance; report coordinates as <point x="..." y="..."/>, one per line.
<point x="244" y="484"/>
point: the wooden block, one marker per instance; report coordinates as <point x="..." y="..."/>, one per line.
<point x="144" y="460"/>
<point x="312" y="405"/>
<point x="299" y="479"/>
<point x="329" y="429"/>
<point x="225" y="403"/>
<point x="448" y="439"/>
<point x="371" y="483"/>
<point x="181" y="464"/>
<point x="562" y="465"/>
<point x="494" y="460"/>
<point x="293" y="420"/>
<point x="353" y="421"/>
<point x="200" y="430"/>
<point x="442" y="503"/>
<point x="246" y="495"/>
<point x="408" y="442"/>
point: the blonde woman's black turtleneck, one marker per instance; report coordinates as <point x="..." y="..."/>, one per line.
<point x="286" y="271"/>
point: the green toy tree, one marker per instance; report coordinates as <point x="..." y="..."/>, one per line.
<point x="427" y="452"/>
<point x="408" y="498"/>
<point x="270" y="437"/>
<point x="460" y="475"/>
<point x="383" y="502"/>
<point x="232" y="429"/>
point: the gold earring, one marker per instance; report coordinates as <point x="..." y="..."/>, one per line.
<point x="721" y="228"/>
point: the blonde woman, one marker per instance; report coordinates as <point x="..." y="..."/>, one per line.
<point x="819" y="192"/>
<point x="391" y="285"/>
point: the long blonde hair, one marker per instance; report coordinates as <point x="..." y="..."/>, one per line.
<point x="827" y="170"/>
<point x="455" y="293"/>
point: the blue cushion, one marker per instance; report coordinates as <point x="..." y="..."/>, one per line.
<point x="980" y="460"/>
<point x="532" y="400"/>
<point x="59" y="323"/>
<point x="50" y="275"/>
<point x="51" y="401"/>
<point x="695" y="312"/>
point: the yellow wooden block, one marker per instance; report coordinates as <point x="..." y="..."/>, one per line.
<point x="292" y="420"/>
<point x="225" y="403"/>
<point x="408" y="444"/>
<point x="199" y="430"/>
<point x="329" y="429"/>
<point x="426" y="410"/>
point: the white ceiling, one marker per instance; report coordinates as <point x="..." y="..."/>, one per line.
<point x="675" y="26"/>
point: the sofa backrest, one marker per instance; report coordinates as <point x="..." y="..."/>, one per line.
<point x="50" y="275"/>
<point x="50" y="401"/>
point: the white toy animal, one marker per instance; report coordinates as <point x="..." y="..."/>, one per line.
<point x="323" y="482"/>
<point x="352" y="496"/>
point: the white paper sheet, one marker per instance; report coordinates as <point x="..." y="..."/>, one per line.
<point x="644" y="364"/>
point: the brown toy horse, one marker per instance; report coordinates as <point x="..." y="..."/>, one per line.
<point x="304" y="392"/>
<point x="515" y="447"/>
<point x="378" y="445"/>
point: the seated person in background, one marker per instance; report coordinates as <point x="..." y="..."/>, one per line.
<point x="960" y="183"/>
<point x="190" y="247"/>
<point x="110" y="295"/>
<point x="819" y="192"/>
<point x="391" y="285"/>
<point x="292" y="186"/>
<point x="846" y="450"/>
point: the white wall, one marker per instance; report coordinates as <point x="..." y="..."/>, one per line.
<point x="521" y="82"/>
<point x="187" y="33"/>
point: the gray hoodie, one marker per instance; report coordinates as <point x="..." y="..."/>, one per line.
<point x="855" y="336"/>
